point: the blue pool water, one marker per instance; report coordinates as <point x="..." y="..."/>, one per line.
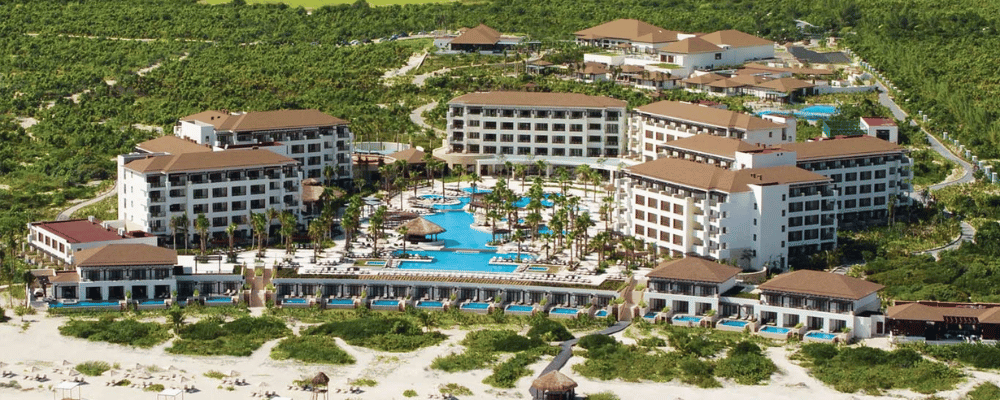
<point x="458" y="234"/>
<point x="775" y="329"/>
<point x="821" y="335"/>
<point x="650" y="314"/>
<point x="538" y="269"/>
<point x="520" y="308"/>
<point x="812" y="112"/>
<point x="86" y="304"/>
<point x="738" y="324"/>
<point x="225" y="300"/>
<point x="602" y="313"/>
<point x="293" y="301"/>
<point x="391" y="303"/>
<point x="820" y="109"/>
<point x="461" y="261"/>
<point x="476" y="306"/>
<point x="341" y="301"/>
<point x="430" y="304"/>
<point x="151" y="302"/>
<point x="560" y="310"/>
<point x="379" y="263"/>
<point x="476" y="190"/>
<point x="687" y="318"/>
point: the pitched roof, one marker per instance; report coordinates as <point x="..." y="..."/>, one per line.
<point x="171" y="144"/>
<point x="593" y="68"/>
<point x="926" y="312"/>
<point x="410" y="155"/>
<point x="821" y="284"/>
<point x="553" y="381"/>
<point x="786" y="85"/>
<point x="311" y="193"/>
<point x="229" y="159"/>
<point x="79" y="230"/>
<point x="704" y="78"/>
<point x="694" y="269"/>
<point x="707" y="115"/>
<point x="481" y="34"/>
<point x="709" y="177"/>
<point x="726" y="83"/>
<point x="65" y="277"/>
<point x="420" y="226"/>
<point x="264" y="120"/>
<point x="873" y="121"/>
<point x="735" y="38"/>
<point x="841" y="146"/>
<point x="629" y="29"/>
<point x="537" y="99"/>
<point x="125" y="254"/>
<point x="690" y="46"/>
<point x="803" y="71"/>
<point x="712" y="145"/>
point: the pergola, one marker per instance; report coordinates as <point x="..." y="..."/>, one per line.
<point x="170" y="393"/>
<point x="65" y="390"/>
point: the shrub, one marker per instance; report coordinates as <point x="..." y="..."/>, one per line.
<point x="548" y="330"/>
<point x="215" y="375"/>
<point x="874" y="370"/>
<point x="124" y="383"/>
<point x="385" y="334"/>
<point x="240" y="337"/>
<point x="978" y="355"/>
<point x="698" y="372"/>
<point x="409" y="393"/>
<point x="455" y="389"/>
<point x="156" y="387"/>
<point x="984" y="391"/>
<point x="603" y="396"/>
<point x="312" y="349"/>
<point x="593" y="341"/>
<point x="126" y="332"/>
<point x="93" y="368"/>
<point x="482" y="347"/>
<point x="507" y="373"/>
<point x="746" y="364"/>
<point x="364" y="382"/>
<point x="651" y="342"/>
<point x="466" y="361"/>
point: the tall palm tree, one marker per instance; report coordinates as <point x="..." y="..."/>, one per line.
<point x="403" y="231"/>
<point x="287" y="220"/>
<point x="519" y="237"/>
<point x="272" y="214"/>
<point x="231" y="233"/>
<point x="317" y="232"/>
<point x="375" y="225"/>
<point x="179" y="224"/>
<point x="201" y="225"/>
<point x="328" y="174"/>
<point x="521" y="170"/>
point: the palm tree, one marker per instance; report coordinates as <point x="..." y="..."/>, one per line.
<point x="542" y="167"/>
<point x="179" y="224"/>
<point x="231" y="233"/>
<point x="272" y="214"/>
<point x="375" y="225"/>
<point x="317" y="232"/>
<point x="583" y="174"/>
<point x="521" y="170"/>
<point x="201" y="225"/>
<point x="259" y="223"/>
<point x="403" y="231"/>
<point x="595" y="179"/>
<point x="519" y="237"/>
<point x="328" y="174"/>
<point x="287" y="220"/>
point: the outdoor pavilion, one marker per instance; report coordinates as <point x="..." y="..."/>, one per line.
<point x="553" y="385"/>
<point x="64" y="390"/>
<point x="419" y="228"/>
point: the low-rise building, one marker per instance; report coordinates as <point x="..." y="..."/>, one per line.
<point x="629" y="34"/>
<point x="481" y="39"/>
<point x="944" y="322"/>
<point x="821" y="301"/>
<point x="690" y="285"/>
<point x="59" y="241"/>
<point x="882" y="128"/>
<point x="109" y="272"/>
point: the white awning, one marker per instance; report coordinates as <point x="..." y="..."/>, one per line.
<point x="66" y="385"/>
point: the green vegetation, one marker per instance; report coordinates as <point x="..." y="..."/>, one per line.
<point x="603" y="396"/>
<point x="929" y="167"/>
<point x="409" y="393"/>
<point x="215" y="375"/>
<point x="364" y="382"/>
<point x="211" y="336"/>
<point x="105" y="210"/>
<point x="852" y="369"/>
<point x="929" y="231"/>
<point x="156" y="388"/>
<point x="484" y="347"/>
<point x="666" y="65"/>
<point x="977" y="355"/>
<point x="312" y="349"/>
<point x="455" y="389"/>
<point x="746" y="364"/>
<point x="93" y="368"/>
<point x="984" y="391"/>
<point x="322" y="3"/>
<point x="126" y="331"/>
<point x="385" y="334"/>
<point x="548" y="330"/>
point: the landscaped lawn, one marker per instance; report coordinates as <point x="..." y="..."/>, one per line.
<point x="321" y="3"/>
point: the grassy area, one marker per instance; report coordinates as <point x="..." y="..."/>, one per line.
<point x="385" y="334"/>
<point x="978" y="355"/>
<point x="485" y="347"/>
<point x="93" y="368"/>
<point x="105" y="210"/>
<point x="311" y="349"/>
<point x="984" y="391"/>
<point x="126" y="332"/>
<point x="666" y="65"/>
<point x="321" y="3"/>
<point x="853" y="369"/>
<point x="903" y="237"/>
<point x="211" y="336"/>
<point x="929" y="167"/>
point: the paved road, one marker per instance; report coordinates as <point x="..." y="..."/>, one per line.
<point x="968" y="235"/>
<point x="67" y="213"/>
<point x="417" y="116"/>
<point x="567" y="349"/>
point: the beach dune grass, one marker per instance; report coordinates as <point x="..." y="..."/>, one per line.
<point x="125" y="332"/>
<point x="211" y="336"/>
<point x="385" y="334"/>
<point x="311" y="349"/>
<point x="321" y="3"/>
<point x="874" y="370"/>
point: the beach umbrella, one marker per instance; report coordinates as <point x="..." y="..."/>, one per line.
<point x="232" y="373"/>
<point x="66" y="363"/>
<point x="138" y="366"/>
<point x="73" y="372"/>
<point x="171" y="368"/>
<point x="184" y="379"/>
<point x="31" y="369"/>
<point x="320" y="380"/>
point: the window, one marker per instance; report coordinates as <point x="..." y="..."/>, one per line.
<point x="678" y="209"/>
<point x="718" y="56"/>
<point x="524" y="126"/>
<point x="507" y="126"/>
<point x="576" y="153"/>
<point x="576" y="128"/>
<point x="525" y="114"/>
<point x="474" y="148"/>
<point x="541" y="151"/>
<point x="880" y="201"/>
<point x="559" y="152"/>
<point x="640" y="200"/>
<point x="866" y="175"/>
<point x="576" y="114"/>
<point x="651" y="203"/>
<point x="541" y="127"/>
<point x="489" y="150"/>
<point x="594" y="113"/>
<point x="850" y="190"/>
<point x="490" y="137"/>
<point x="474" y="122"/>
<point x="880" y="174"/>
<point x="559" y="127"/>
<point x="865" y="202"/>
<point x="594" y="127"/>
<point x="507" y="138"/>
<point x="678" y="224"/>
<point x="507" y="113"/>
<point x="490" y="125"/>
<point x="541" y="139"/>
<point x="851" y="176"/>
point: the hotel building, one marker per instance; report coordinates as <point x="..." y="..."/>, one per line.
<point x="61" y="240"/>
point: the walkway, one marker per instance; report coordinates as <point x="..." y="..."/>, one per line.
<point x="67" y="213"/>
<point x="417" y="116"/>
<point x="567" y="349"/>
<point x="968" y="235"/>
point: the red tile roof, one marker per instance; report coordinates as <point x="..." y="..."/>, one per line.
<point x="218" y="160"/>
<point x="264" y="120"/>
<point x="79" y="230"/>
<point x="629" y="29"/>
<point x="821" y="284"/>
<point x="712" y="145"/>
<point x="537" y="99"/>
<point x="690" y="46"/>
<point x="481" y="34"/>
<point x="707" y="115"/>
<point x="124" y="255"/>
<point x="734" y="38"/>
<point x="709" y="177"/>
<point x="841" y="146"/>
<point x="173" y="145"/>
<point x="694" y="269"/>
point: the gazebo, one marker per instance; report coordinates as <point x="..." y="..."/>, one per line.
<point x="420" y="227"/>
<point x="320" y="380"/>
<point x="64" y="390"/>
<point x="553" y="385"/>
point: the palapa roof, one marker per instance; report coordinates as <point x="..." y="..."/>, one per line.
<point x="125" y="254"/>
<point x="690" y="46"/>
<point x="707" y="115"/>
<point x="311" y="193"/>
<point x="173" y="145"/>
<point x="320" y="379"/>
<point x="217" y="160"/>
<point x="537" y="99"/>
<point x="264" y="120"/>
<point x="709" y="177"/>
<point x="481" y="34"/>
<point x="735" y="38"/>
<point x="593" y="68"/>
<point x="410" y="155"/>
<point x="420" y="226"/>
<point x="786" y="85"/>
<point x="694" y="269"/>
<point x="629" y="29"/>
<point x="841" y="146"/>
<point x="821" y="284"/>
<point x="926" y="312"/>
<point x="712" y="145"/>
<point x="553" y="381"/>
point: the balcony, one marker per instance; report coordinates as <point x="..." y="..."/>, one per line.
<point x="157" y="199"/>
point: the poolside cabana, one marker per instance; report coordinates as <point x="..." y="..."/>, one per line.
<point x="64" y="390"/>
<point x="419" y="228"/>
<point x="553" y="385"/>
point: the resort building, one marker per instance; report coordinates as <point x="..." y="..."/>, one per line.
<point x="867" y="172"/>
<point x="59" y="241"/>
<point x="690" y="285"/>
<point x="314" y="139"/>
<point x="820" y="301"/>
<point x="481" y="39"/>
<point x="943" y="322"/>
<point x="223" y="185"/>
<point x="882" y="128"/>
<point x="487" y="129"/>
<point x="715" y="50"/>
<point x="758" y="217"/>
<point x="655" y="124"/>
<point x="111" y="271"/>
<point x="628" y="34"/>
<point x="784" y="89"/>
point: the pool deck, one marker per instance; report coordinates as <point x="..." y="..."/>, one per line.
<point x="752" y="324"/>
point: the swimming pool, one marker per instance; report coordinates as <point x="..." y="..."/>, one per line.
<point x="375" y="263"/>
<point x="460" y="261"/>
<point x="221" y="300"/>
<point x="476" y="306"/>
<point x="775" y="329"/>
<point x="86" y="304"/>
<point x="734" y="323"/>
<point x="820" y="109"/>
<point x="520" y="308"/>
<point x="687" y="318"/>
<point x="341" y="302"/>
<point x="821" y="335"/>
<point x="812" y="112"/>
<point x="538" y="269"/>
<point x="476" y="190"/>
<point x="602" y="313"/>
<point x="151" y="302"/>
<point x="566" y="311"/>
<point x="292" y="301"/>
<point x="458" y="232"/>
<point x="429" y="304"/>
<point x="386" y="303"/>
